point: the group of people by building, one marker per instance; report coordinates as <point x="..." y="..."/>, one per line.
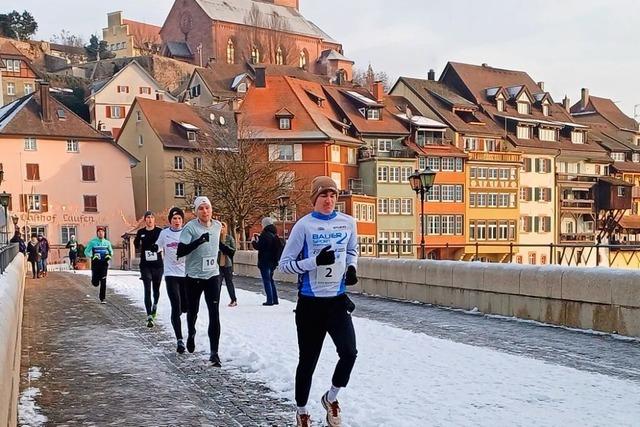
<point x="196" y="257"/>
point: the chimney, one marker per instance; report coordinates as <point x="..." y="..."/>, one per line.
<point x="45" y="101"/>
<point x="261" y="77"/>
<point x="485" y="65"/>
<point x="340" y="78"/>
<point x="431" y="75"/>
<point x="541" y="86"/>
<point x="566" y="103"/>
<point x="378" y="91"/>
<point x="584" y="100"/>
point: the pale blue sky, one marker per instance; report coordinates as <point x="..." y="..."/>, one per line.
<point x="568" y="44"/>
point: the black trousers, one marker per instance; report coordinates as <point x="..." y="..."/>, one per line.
<point x="211" y="289"/>
<point x="99" y="269"/>
<point x="315" y="318"/>
<point x="151" y="276"/>
<point x="176" y="290"/>
<point x="34" y="268"/>
<point x="227" y="275"/>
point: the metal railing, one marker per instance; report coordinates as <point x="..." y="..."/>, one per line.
<point x="7" y="254"/>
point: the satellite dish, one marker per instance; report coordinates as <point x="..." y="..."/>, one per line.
<point x="221" y="120"/>
<point x="212" y="117"/>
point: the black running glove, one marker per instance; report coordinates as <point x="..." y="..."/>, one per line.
<point x="350" y="277"/>
<point x="203" y="238"/>
<point x="186" y="249"/>
<point x="326" y="257"/>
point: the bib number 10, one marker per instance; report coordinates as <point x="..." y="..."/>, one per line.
<point x="208" y="264"/>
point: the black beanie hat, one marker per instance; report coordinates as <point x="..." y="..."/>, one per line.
<point x="175" y="211"/>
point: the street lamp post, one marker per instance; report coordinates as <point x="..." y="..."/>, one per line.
<point x="15" y="219"/>
<point x="283" y="203"/>
<point x="4" y="201"/>
<point x="421" y="182"/>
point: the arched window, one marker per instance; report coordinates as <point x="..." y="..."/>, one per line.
<point x="279" y="56"/>
<point x="255" y="55"/>
<point x="231" y="52"/>
<point x="303" y="59"/>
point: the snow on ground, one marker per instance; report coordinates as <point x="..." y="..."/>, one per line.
<point x="403" y="378"/>
<point x="28" y="411"/>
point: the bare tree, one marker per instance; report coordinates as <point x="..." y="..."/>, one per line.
<point x="240" y="181"/>
<point x="269" y="34"/>
<point x="367" y="78"/>
<point x="67" y="39"/>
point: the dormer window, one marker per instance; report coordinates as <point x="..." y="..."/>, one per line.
<point x="618" y="157"/>
<point x="373" y="114"/>
<point x="546" y="134"/>
<point x="545" y="110"/>
<point x="500" y="104"/>
<point x="636" y="157"/>
<point x="577" y="137"/>
<point x="285" y="123"/>
<point x="284" y="118"/>
<point x="191" y="136"/>
<point x="242" y="88"/>
<point x="523" y="132"/>
<point x="524" y="108"/>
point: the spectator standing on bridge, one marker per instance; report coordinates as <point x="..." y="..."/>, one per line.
<point x="100" y="251"/>
<point x="225" y="260"/>
<point x="269" y="248"/>
<point x="44" y="254"/>
<point x="33" y="256"/>
<point x="174" y="275"/>
<point x="17" y="238"/>
<point x="200" y="244"/>
<point x="151" y="267"/>
<point x="323" y="251"/>
<point x="72" y="245"/>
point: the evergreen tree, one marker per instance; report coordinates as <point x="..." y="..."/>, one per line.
<point x="20" y="26"/>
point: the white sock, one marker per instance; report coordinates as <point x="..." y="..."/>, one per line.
<point x="302" y="410"/>
<point x="332" y="395"/>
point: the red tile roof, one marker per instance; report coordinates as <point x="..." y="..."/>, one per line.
<point x="609" y="110"/>
<point x="312" y="122"/>
<point x="143" y="33"/>
<point x="8" y="49"/>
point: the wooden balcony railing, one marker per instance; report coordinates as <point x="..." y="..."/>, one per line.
<point x="577" y="204"/>
<point x="494" y="156"/>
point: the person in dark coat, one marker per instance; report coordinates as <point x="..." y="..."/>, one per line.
<point x="269" y="249"/>
<point x="33" y="255"/>
<point x="17" y="238"/>
<point x="44" y="254"/>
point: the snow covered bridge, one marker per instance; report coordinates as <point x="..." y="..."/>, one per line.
<point x="87" y="363"/>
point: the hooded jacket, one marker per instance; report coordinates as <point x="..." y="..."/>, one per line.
<point x="269" y="247"/>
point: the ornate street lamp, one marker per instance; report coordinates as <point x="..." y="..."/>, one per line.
<point x="283" y="204"/>
<point x="4" y="202"/>
<point x="15" y="219"/>
<point x="421" y="183"/>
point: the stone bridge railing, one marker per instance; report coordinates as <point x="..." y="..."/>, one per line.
<point x="602" y="299"/>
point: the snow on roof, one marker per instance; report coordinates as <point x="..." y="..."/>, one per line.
<point x="238" y="79"/>
<point x="514" y="90"/>
<point x="492" y="91"/>
<point x="362" y="98"/>
<point x="188" y="126"/>
<point x="422" y="121"/>
<point x="543" y="122"/>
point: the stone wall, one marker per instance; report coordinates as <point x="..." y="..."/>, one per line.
<point x="602" y="299"/>
<point x="11" y="301"/>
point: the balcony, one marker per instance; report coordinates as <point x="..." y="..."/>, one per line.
<point x="426" y="141"/>
<point x="494" y="156"/>
<point x="577" y="205"/>
<point x="370" y="153"/>
<point x="577" y="237"/>
<point x="574" y="177"/>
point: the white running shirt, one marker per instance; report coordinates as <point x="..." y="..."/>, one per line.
<point x="168" y="243"/>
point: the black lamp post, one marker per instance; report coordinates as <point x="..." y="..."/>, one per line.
<point x="421" y="182"/>
<point x="283" y="204"/>
<point x="4" y="202"/>
<point x="15" y="219"/>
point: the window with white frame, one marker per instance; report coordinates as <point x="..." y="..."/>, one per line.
<point x="123" y="89"/>
<point x="178" y="163"/>
<point x="448" y="164"/>
<point x="422" y="163"/>
<point x="191" y="136"/>
<point x="72" y="146"/>
<point x="433" y="224"/>
<point x="545" y="109"/>
<point x="472" y="200"/>
<point x="459" y="165"/>
<point x="394" y="242"/>
<point x="383" y="206"/>
<point x="433" y="163"/>
<point x="492" y="199"/>
<point x="547" y="134"/>
<point x="197" y="190"/>
<point x="492" y="230"/>
<point x="284" y="123"/>
<point x="351" y="156"/>
<point x="434" y="194"/>
<point x="285" y="152"/>
<point x="406" y="173"/>
<point x="472" y="230"/>
<point x="407" y="242"/>
<point x="493" y="173"/>
<point x="66" y="231"/>
<point x="30" y="144"/>
<point x="503" y="174"/>
<point x="407" y="206"/>
<point x="34" y="202"/>
<point x="117" y="112"/>
<point x="618" y="157"/>
<point x="481" y="230"/>
<point x="471" y="144"/>
<point x="335" y="154"/>
<point x="490" y="145"/>
<point x="383" y="242"/>
<point x="11" y="88"/>
<point x="503" y="230"/>
<point x="383" y="173"/>
<point x="503" y="200"/>
<point x="179" y="189"/>
<point x="636" y="157"/>
<point x="373" y="114"/>
<point x="523" y="132"/>
<point x="448" y="193"/>
<point x="384" y="145"/>
<point x="500" y="104"/>
<point x="459" y="224"/>
<point x="394" y="174"/>
<point x="197" y="163"/>
<point x="341" y="207"/>
<point x="481" y="173"/>
<point x="28" y="88"/>
<point x="394" y="206"/>
<point x="481" y="200"/>
<point x="524" y="108"/>
<point x="448" y="225"/>
<point x="577" y="137"/>
<point x="459" y="193"/>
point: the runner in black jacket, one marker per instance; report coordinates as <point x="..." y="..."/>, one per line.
<point x="151" y="266"/>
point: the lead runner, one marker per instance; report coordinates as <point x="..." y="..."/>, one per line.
<point x="323" y="251"/>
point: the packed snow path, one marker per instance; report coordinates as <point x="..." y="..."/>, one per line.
<point x="417" y="365"/>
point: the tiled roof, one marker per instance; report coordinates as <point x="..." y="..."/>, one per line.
<point x="26" y="119"/>
<point x="7" y="49"/>
<point x="143" y="33"/>
<point x="163" y="117"/>
<point x="609" y="142"/>
<point x="609" y="110"/>
<point x="388" y="125"/>
<point x="312" y="122"/>
<point x="424" y="89"/>
<point x="630" y="222"/>
<point x="236" y="12"/>
<point x="628" y="167"/>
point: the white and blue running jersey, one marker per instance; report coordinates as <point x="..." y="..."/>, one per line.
<point x="309" y="236"/>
